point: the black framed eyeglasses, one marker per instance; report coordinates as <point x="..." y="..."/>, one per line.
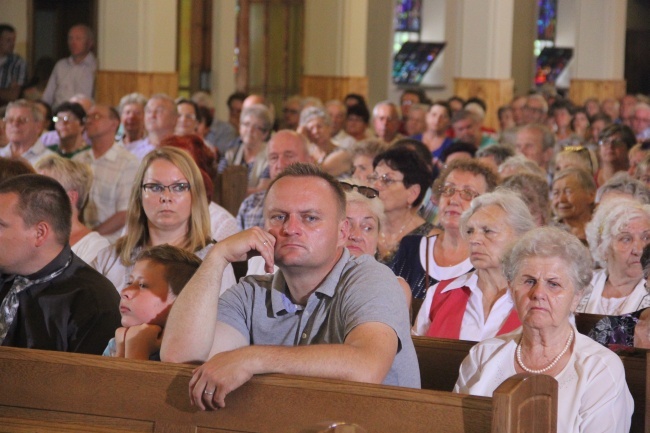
<point x="366" y="191"/>
<point x="175" y="188"/>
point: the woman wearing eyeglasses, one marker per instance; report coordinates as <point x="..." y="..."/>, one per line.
<point x="477" y="306"/>
<point x="167" y="206"/>
<point x="423" y="261"/>
<point x="613" y="144"/>
<point x="402" y="179"/>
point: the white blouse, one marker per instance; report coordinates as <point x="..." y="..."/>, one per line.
<point x="591" y="301"/>
<point x="475" y="326"/>
<point x="593" y="396"/>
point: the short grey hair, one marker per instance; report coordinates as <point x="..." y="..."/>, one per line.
<point x="475" y="108"/>
<point x="420" y="107"/>
<point x="31" y="106"/>
<point x="541" y="99"/>
<point x="500" y="152"/>
<point x="71" y="174"/>
<point x="533" y="190"/>
<point x="163" y="97"/>
<point x="610" y="218"/>
<point x="391" y="104"/>
<point x="624" y="183"/>
<point x="551" y="242"/>
<point x="132" y="98"/>
<point x="548" y="138"/>
<point x="521" y="164"/>
<point x="583" y="177"/>
<point x="517" y="214"/>
<point x="260" y="112"/>
<point x="310" y="113"/>
<point x="370" y="147"/>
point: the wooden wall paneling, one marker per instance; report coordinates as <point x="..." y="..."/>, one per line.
<point x="110" y="86"/>
<point x="581" y="90"/>
<point x="330" y="87"/>
<point x="495" y="93"/>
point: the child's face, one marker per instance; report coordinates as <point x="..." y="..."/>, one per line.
<point x="147" y="297"/>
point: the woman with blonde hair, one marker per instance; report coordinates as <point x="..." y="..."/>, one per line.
<point x="76" y="178"/>
<point x="167" y="206"/>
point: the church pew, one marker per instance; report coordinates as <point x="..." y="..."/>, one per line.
<point x="53" y="391"/>
<point x="440" y="361"/>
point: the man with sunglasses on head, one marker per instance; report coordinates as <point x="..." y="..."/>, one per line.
<point x="23" y="125"/>
<point x="114" y="170"/>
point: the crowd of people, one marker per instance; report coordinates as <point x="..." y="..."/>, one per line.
<point x="355" y="220"/>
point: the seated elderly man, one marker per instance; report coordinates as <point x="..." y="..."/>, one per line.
<point x="51" y="299"/>
<point x="323" y="314"/>
<point x="386" y="122"/>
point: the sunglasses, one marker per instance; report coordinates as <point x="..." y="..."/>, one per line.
<point x="366" y="191"/>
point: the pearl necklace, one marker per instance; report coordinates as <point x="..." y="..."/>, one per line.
<point x="548" y="367"/>
<point x="389" y="242"/>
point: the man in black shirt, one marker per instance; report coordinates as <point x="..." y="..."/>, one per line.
<point x="49" y="298"/>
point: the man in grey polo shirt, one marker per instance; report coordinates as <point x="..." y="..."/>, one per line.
<point x="323" y="314"/>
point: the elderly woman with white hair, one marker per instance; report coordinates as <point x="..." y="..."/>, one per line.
<point x="623" y="185"/>
<point x="316" y="125"/>
<point x="255" y="125"/>
<point x="547" y="271"/>
<point x="617" y="235"/>
<point x="477" y="305"/>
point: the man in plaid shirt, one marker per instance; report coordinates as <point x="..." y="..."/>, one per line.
<point x="284" y="148"/>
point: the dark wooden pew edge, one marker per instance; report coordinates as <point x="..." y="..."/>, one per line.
<point x="53" y="389"/>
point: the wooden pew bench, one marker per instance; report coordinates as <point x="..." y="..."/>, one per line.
<point x="52" y="391"/>
<point x="440" y="361"/>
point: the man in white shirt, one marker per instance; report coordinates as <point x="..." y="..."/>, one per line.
<point x="338" y="113"/>
<point x="114" y="170"/>
<point x="74" y="74"/>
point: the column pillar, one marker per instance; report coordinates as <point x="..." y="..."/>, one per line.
<point x="335" y="48"/>
<point x="599" y="53"/>
<point x="485" y="53"/>
<point x="136" y="48"/>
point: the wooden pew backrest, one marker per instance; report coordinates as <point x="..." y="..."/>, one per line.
<point x="51" y="391"/>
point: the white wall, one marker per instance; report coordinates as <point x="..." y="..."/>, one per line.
<point x="335" y="37"/>
<point x="137" y="35"/>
